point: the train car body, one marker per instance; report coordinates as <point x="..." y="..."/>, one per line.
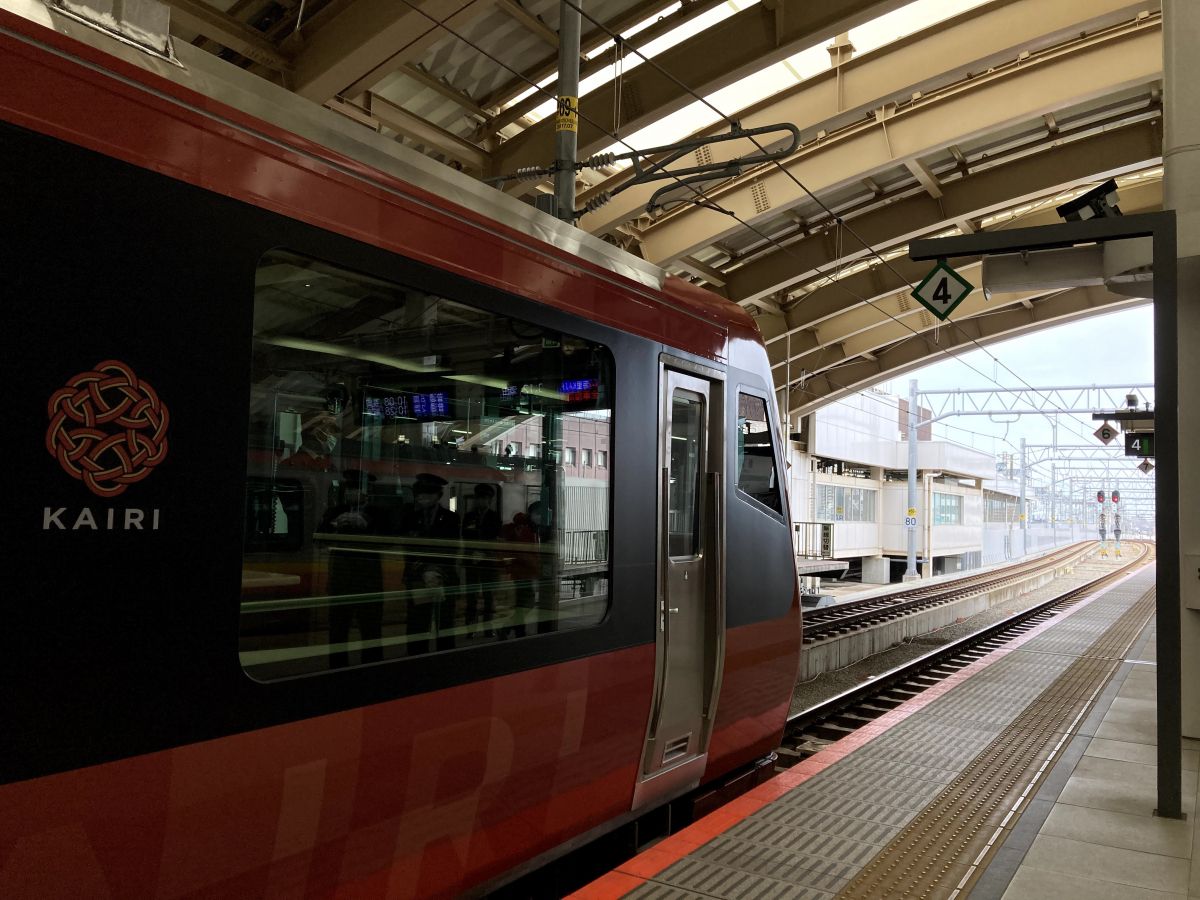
<point x="243" y="656"/>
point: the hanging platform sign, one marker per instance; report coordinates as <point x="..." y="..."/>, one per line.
<point x="1139" y="443"/>
<point x="942" y="290"/>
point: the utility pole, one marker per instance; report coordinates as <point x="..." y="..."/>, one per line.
<point x="910" y="573"/>
<point x="1021" y="508"/>
<point x="1054" y="483"/>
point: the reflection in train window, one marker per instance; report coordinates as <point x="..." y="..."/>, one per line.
<point x="686" y="461"/>
<point x="756" y="474"/>
<point x="388" y="511"/>
<point x="274" y="514"/>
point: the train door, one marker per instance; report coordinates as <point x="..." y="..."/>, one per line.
<point x="690" y="614"/>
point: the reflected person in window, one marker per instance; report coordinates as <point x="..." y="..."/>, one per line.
<point x="316" y="449"/>
<point x="355" y="573"/>
<point x="481" y="525"/>
<point x="530" y="568"/>
<point x="430" y="566"/>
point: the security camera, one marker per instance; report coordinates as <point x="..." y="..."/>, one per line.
<point x="1099" y="202"/>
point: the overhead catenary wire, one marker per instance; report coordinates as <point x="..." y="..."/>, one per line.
<point x="837" y="219"/>
<point x="705" y="201"/>
<point x="883" y="401"/>
<point x="898" y="409"/>
<point x="528" y="171"/>
<point x="691" y="187"/>
<point x="1077" y="425"/>
<point x="701" y="198"/>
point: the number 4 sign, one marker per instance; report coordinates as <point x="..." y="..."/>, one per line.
<point x="942" y="290"/>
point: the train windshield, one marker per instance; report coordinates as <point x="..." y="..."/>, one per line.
<point x="756" y="475"/>
<point x="424" y="475"/>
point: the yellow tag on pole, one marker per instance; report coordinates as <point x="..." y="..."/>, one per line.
<point x="567" y="116"/>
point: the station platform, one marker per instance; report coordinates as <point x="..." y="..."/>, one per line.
<point x="1029" y="773"/>
<point x="826" y="568"/>
<point x="846" y="591"/>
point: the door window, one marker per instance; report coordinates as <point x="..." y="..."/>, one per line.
<point x="686" y="469"/>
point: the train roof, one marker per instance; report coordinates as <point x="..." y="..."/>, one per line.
<point x="202" y="72"/>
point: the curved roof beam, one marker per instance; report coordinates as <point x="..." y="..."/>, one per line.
<point x="1098" y="156"/>
<point x="228" y="31"/>
<point x="861" y="329"/>
<point x="370" y="39"/>
<point x="943" y="54"/>
<point x="1102" y="65"/>
<point x="828" y="299"/>
<point x="594" y="38"/>
<point x="866" y="329"/>
<point x="910" y="354"/>
<point x="714" y="58"/>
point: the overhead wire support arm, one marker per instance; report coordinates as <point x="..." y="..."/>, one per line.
<point x="670" y="153"/>
<point x="657" y="171"/>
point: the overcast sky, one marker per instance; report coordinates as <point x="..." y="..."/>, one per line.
<point x="1113" y="349"/>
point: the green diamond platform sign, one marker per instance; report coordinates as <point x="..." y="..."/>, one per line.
<point x="942" y="290"/>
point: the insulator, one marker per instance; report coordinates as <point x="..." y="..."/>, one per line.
<point x="596" y="202"/>
<point x="530" y="173"/>
<point x="600" y="160"/>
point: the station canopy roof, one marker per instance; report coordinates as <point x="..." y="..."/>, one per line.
<point x="918" y="119"/>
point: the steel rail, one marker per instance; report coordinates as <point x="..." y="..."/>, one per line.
<point x="849" y="710"/>
<point x="855" y="615"/>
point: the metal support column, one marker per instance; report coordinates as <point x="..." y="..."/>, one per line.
<point x="1171" y="320"/>
<point x="1175" y="322"/>
<point x="566" y="127"/>
<point x="910" y="573"/>
<point x="1023" y="518"/>
<point x="1054" y="485"/>
<point x="1053" y="504"/>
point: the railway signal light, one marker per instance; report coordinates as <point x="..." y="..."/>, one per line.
<point x="1116" y="496"/>
<point x="1099" y="496"/>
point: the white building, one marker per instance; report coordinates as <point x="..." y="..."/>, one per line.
<point x="848" y="486"/>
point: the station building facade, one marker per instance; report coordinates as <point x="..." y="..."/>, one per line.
<point x="848" y="486"/>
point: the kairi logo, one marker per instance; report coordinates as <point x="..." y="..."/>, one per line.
<point x="108" y="429"/>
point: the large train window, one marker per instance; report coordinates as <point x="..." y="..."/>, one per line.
<point x="389" y="511"/>
<point x="756" y="475"/>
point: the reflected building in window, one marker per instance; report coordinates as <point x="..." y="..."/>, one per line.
<point x="356" y="374"/>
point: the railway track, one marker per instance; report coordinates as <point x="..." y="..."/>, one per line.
<point x="834" y="621"/>
<point x="806" y="733"/>
<point x="809" y="731"/>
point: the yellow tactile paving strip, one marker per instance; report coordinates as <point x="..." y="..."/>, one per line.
<point x="942" y="851"/>
<point x="806" y="834"/>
